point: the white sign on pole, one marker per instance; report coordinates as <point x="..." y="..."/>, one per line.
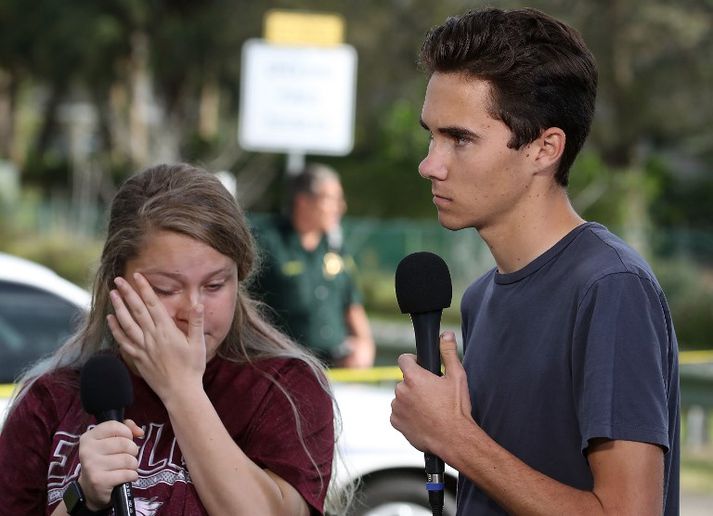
<point x="297" y="99"/>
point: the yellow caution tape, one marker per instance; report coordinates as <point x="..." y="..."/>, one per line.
<point x="393" y="373"/>
<point x="6" y="390"/>
<point x="371" y="375"/>
<point x="695" y="357"/>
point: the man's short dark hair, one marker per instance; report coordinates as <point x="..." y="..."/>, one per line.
<point x="539" y="69"/>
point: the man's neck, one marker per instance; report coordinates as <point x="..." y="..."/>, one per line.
<point x="310" y="239"/>
<point x="516" y="242"/>
<point x="309" y="235"/>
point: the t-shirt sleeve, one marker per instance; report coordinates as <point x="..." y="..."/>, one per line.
<point x="24" y="453"/>
<point x="619" y="364"/>
<point x="299" y="452"/>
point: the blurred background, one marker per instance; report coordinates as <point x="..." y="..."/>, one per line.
<point x="91" y="92"/>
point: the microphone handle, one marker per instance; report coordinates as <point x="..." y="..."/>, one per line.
<point x="110" y="415"/>
<point x="122" y="499"/>
<point x="426" y="327"/>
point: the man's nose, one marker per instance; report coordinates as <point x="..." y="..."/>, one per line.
<point x="433" y="165"/>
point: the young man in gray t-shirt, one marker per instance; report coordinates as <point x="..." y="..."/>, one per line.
<point x="567" y="398"/>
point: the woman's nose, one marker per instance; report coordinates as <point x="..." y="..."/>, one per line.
<point x="189" y="299"/>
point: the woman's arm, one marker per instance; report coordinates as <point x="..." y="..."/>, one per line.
<point x="227" y="481"/>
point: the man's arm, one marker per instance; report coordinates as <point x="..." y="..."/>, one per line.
<point x="360" y="341"/>
<point x="434" y="414"/>
<point x="628" y="477"/>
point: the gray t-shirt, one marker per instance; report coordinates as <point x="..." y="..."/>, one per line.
<point x="577" y="345"/>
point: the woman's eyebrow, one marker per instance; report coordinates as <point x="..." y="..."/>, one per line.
<point x="179" y="276"/>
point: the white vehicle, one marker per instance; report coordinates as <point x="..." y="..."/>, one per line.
<point x="38" y="310"/>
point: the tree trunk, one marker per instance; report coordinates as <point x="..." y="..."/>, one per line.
<point x="140" y="99"/>
<point x="209" y="111"/>
<point x="636" y="229"/>
<point x="623" y="153"/>
<point x="7" y="114"/>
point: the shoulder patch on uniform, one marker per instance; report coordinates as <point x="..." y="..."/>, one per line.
<point x="293" y="268"/>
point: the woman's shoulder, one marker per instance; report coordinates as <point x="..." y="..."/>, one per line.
<point x="292" y="373"/>
<point x="275" y="367"/>
<point x="50" y="395"/>
<point x="268" y="386"/>
<point x="58" y="383"/>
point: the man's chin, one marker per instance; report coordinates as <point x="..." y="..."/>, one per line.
<point x="449" y="222"/>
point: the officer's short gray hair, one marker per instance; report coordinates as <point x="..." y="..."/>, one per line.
<point x="308" y="181"/>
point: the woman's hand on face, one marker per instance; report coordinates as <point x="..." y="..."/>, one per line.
<point x="161" y="353"/>
<point x="107" y="454"/>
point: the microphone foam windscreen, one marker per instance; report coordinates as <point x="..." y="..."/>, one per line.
<point x="105" y="384"/>
<point x="423" y="283"/>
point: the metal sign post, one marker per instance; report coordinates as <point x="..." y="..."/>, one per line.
<point x="297" y="95"/>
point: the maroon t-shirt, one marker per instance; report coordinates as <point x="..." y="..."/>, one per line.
<point x="40" y="439"/>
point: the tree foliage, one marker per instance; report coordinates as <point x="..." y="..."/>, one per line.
<point x="91" y="91"/>
<point x="163" y="78"/>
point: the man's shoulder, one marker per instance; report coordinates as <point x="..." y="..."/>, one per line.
<point x="598" y="253"/>
<point x="268" y="225"/>
<point x="273" y="233"/>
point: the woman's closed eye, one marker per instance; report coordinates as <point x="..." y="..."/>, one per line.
<point x="164" y="292"/>
<point x="214" y="287"/>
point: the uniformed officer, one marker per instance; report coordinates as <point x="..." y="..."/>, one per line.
<point x="307" y="277"/>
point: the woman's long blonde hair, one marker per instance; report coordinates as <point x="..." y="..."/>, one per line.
<point x="191" y="201"/>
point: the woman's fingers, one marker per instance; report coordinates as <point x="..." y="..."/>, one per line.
<point x="107" y="454"/>
<point x="195" y="326"/>
<point x="150" y="301"/>
<point x="139" y="311"/>
<point x="136" y="430"/>
<point x="126" y="322"/>
<point x="125" y="343"/>
<point x="109" y="433"/>
<point x="134" y="303"/>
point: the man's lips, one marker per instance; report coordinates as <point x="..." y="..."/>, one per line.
<point x="440" y="199"/>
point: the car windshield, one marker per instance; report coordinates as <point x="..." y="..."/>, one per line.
<point x="33" y="323"/>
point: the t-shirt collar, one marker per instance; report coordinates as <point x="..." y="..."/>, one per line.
<point x="540" y="261"/>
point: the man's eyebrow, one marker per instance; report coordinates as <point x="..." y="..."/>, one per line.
<point x="452" y="131"/>
<point x="459" y="133"/>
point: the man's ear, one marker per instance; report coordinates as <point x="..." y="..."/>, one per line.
<point x="549" y="147"/>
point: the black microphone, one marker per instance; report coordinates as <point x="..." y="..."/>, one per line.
<point x="423" y="290"/>
<point x="105" y="390"/>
